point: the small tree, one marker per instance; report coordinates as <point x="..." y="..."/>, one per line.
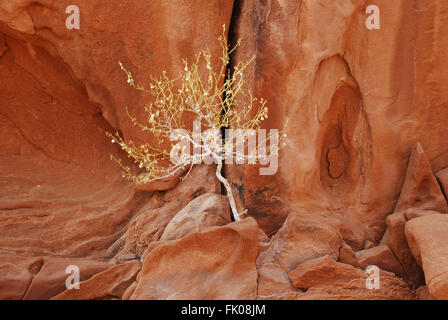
<point x="209" y="97"/>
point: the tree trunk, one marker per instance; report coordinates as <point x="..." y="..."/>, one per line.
<point x="226" y="184"/>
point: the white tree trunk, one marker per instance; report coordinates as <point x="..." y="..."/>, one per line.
<point x="226" y="184"/>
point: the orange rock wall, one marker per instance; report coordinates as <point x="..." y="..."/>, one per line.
<point x="366" y="112"/>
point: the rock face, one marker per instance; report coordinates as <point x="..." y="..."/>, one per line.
<point x="363" y="179"/>
<point x="357" y="101"/>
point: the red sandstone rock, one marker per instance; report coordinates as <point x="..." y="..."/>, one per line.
<point x="218" y="263"/>
<point x="357" y="102"/>
<point x="420" y="195"/>
<point x="145" y="228"/>
<point x="413" y="213"/>
<point x="207" y="210"/>
<point x="423" y="293"/>
<point x="346" y="255"/>
<point x="150" y="221"/>
<point x="380" y="256"/>
<point x="301" y="239"/>
<point x="16" y="274"/>
<point x="50" y="280"/>
<point x="322" y="271"/>
<point x="274" y="283"/>
<point x="420" y="188"/>
<point x="3" y="46"/>
<point x="129" y="291"/>
<point x="442" y="177"/>
<point x="397" y="242"/>
<point x="201" y="180"/>
<point x="428" y="241"/>
<point x="327" y="279"/>
<point x="391" y="288"/>
<point x="64" y="91"/>
<point x="58" y="177"/>
<point x="108" y="284"/>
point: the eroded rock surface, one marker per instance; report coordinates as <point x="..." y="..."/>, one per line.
<point x="366" y="110"/>
<point x="108" y="284"/>
<point x="51" y="279"/>
<point x="16" y="274"/>
<point x="217" y="263"/>
<point x="428" y="241"/>
<point x="207" y="210"/>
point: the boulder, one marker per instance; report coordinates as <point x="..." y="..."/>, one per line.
<point x="428" y="241"/>
<point x="325" y="279"/>
<point x="207" y="210"/>
<point x="217" y="263"/>
<point x="420" y="188"/>
<point x="274" y="283"/>
<point x="144" y="228"/>
<point x="380" y="256"/>
<point x="322" y="271"/>
<point x="149" y="222"/>
<point x="396" y="240"/>
<point x="301" y="238"/>
<point x="420" y="195"/>
<point x="346" y="255"/>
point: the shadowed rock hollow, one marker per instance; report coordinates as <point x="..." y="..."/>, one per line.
<point x="361" y="182"/>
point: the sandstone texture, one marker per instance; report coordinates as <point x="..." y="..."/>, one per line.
<point x="381" y="256"/>
<point x="205" y="211"/>
<point x="428" y="241"/>
<point x="324" y="278"/>
<point x="392" y="288"/>
<point x="322" y="271"/>
<point x="108" y="284"/>
<point x="363" y="179"/>
<point x="51" y="278"/>
<point x="217" y="263"/>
